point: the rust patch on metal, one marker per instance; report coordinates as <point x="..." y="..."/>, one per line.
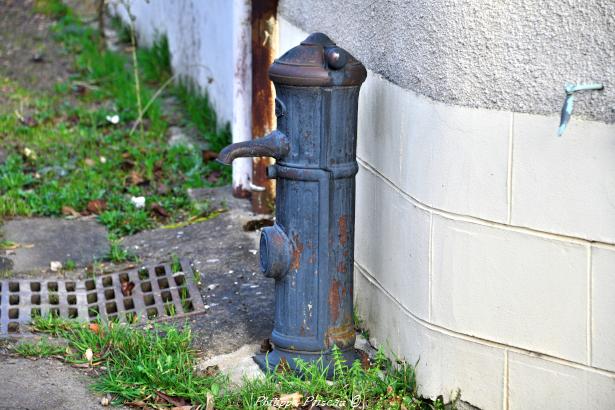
<point x="341" y="268"/>
<point x="343" y="227"/>
<point x="334" y="300"/>
<point x="239" y="192"/>
<point x="342" y="336"/>
<point x="297" y="251"/>
<point x="264" y="26"/>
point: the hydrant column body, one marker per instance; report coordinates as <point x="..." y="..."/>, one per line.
<point x="309" y="250"/>
<point x="315" y="208"/>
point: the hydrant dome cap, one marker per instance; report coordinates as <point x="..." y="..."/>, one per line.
<point x="317" y="61"/>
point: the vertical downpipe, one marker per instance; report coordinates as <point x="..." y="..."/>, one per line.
<point x="241" y="126"/>
<point x="264" y="44"/>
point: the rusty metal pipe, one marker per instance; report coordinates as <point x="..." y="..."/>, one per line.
<point x="274" y="144"/>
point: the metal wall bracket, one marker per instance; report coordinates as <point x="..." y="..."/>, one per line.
<point x="569" y="102"/>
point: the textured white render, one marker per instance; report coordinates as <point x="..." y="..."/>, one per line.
<point x="512" y="55"/>
<point x="485" y="247"/>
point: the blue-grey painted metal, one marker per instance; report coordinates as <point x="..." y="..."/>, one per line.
<point x="569" y="103"/>
<point x="309" y="250"/>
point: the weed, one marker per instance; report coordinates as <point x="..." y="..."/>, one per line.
<point x="122" y="30"/>
<point x="42" y="348"/>
<point x="205" y="120"/>
<point x="70" y="264"/>
<point x="176" y="265"/>
<point x="117" y="253"/>
<point x="359" y="325"/>
<point x="51" y="8"/>
<point x="155" y="61"/>
<point x="141" y="363"/>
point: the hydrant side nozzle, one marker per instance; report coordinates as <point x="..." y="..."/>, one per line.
<point x="275" y="252"/>
<point x="275" y="145"/>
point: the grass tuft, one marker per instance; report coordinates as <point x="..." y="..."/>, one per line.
<point x="52" y="8"/>
<point x="42" y="348"/>
<point x="144" y="365"/>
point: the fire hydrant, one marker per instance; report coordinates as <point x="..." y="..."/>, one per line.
<point x="309" y="250"/>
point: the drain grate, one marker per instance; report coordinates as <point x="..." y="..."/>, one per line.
<point x="148" y="293"/>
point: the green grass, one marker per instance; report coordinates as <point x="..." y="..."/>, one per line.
<point x="140" y="363"/>
<point x="51" y="8"/>
<point x="70" y="265"/>
<point x="64" y="153"/>
<point x="42" y="348"/>
<point x="155" y="62"/>
<point x="204" y="120"/>
<point x="359" y="325"/>
<point x="117" y="253"/>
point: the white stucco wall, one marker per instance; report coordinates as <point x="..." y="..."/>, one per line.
<point x="200" y="40"/>
<point x="485" y="247"/>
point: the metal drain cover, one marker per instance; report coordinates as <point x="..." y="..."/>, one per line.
<point x="148" y="293"/>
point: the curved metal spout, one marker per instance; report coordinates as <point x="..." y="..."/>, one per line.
<point x="274" y="144"/>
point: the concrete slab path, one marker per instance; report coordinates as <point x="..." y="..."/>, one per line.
<point x="40" y="241"/>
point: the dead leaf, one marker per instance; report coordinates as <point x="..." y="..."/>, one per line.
<point x="94" y="327"/>
<point x="136" y="178"/>
<point x="294" y="399"/>
<point x="68" y="211"/>
<point x="209" y="155"/>
<point x="176" y="401"/>
<point x="162" y="189"/>
<point x="210" y="402"/>
<point x="97" y="206"/>
<point x="136" y="404"/>
<point x="127" y="288"/>
<point x="214" y="176"/>
<point x="89" y="162"/>
<point x="28" y="121"/>
<point x="181" y="408"/>
<point x="282" y="366"/>
<point x="127" y="164"/>
<point x="159" y="210"/>
<point x="365" y="362"/>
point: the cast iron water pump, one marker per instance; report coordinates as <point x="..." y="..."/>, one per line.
<point x="309" y="250"/>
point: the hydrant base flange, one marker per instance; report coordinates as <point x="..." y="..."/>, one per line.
<point x="268" y="361"/>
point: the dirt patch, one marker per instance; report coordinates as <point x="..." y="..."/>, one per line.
<point x="28" y="53"/>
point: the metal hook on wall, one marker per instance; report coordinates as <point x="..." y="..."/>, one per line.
<point x="569" y="102"/>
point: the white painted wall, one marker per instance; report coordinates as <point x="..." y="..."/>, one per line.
<point x="209" y="43"/>
<point x="485" y="247"/>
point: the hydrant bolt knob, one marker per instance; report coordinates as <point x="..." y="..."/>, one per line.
<point x="336" y="58"/>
